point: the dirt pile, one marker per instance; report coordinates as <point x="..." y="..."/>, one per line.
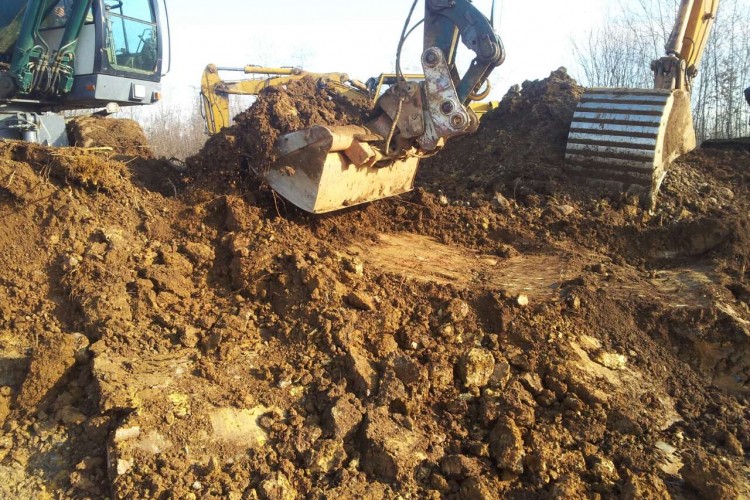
<point x="249" y="143"/>
<point x="210" y="341"/>
<point x="524" y="137"/>
<point x="123" y="136"/>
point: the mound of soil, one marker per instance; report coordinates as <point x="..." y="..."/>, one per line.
<point x="249" y="143"/>
<point x="124" y="136"/>
<point x="479" y="338"/>
<point x="525" y="137"/>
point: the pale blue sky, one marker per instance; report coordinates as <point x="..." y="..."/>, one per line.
<point x="360" y="37"/>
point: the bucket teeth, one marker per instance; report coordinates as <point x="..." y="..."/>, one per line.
<point x="625" y="139"/>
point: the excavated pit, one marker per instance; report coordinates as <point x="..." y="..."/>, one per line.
<point x="497" y="333"/>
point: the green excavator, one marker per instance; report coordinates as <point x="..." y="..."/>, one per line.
<point x="59" y="55"/>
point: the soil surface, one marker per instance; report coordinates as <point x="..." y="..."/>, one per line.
<point x="502" y="331"/>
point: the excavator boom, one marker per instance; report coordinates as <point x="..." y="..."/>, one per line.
<point x="626" y="139"/>
<point x="215" y="91"/>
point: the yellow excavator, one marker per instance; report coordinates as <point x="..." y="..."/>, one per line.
<point x="626" y="139"/>
<point x="215" y="91"/>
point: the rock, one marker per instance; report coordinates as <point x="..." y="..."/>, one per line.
<point x="708" y="476"/>
<point x="51" y="361"/>
<point x="599" y="268"/>
<point x="6" y="394"/>
<point x="327" y="456"/>
<point x="604" y="469"/>
<point x="459" y="467"/>
<point x="441" y="373"/>
<point x="457" y="310"/>
<point x="126" y="434"/>
<point x="559" y="211"/>
<point x="506" y="446"/>
<point x="363" y="377"/>
<point x="277" y="487"/>
<point x="201" y="255"/>
<point x="476" y="367"/>
<point x="477" y="488"/>
<point x="81" y="346"/>
<point x="566" y="210"/>
<point x="645" y="486"/>
<point x="72" y="416"/>
<point x="408" y="370"/>
<point x="443" y="200"/>
<point x="522" y="300"/>
<point x="573" y="302"/>
<point x="343" y="418"/>
<point x="732" y="444"/>
<point x="123" y="466"/>
<point x="354" y="265"/>
<point x="239" y="427"/>
<point x="501" y="203"/>
<point x="630" y="211"/>
<point x="189" y="337"/>
<point x="360" y="300"/>
<point x="390" y="452"/>
<point x="392" y="393"/>
<point x="611" y="360"/>
<point x="726" y="193"/>
<point x="571" y="486"/>
<point x="532" y="382"/>
<point x="500" y="374"/>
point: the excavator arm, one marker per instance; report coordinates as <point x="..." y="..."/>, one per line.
<point x="686" y="45"/>
<point x="323" y="169"/>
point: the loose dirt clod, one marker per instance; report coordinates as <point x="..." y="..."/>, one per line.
<point x="124" y="136"/>
<point x="241" y="348"/>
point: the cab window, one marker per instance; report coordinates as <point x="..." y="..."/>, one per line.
<point x="131" y="36"/>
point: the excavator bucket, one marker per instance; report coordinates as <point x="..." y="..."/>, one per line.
<point x="323" y="169"/>
<point x="626" y="139"/>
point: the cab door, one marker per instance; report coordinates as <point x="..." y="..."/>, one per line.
<point x="131" y="39"/>
<point x="127" y="65"/>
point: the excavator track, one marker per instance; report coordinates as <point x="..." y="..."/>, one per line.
<point x="625" y="139"/>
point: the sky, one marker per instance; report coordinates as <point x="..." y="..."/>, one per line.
<point x="360" y="37"/>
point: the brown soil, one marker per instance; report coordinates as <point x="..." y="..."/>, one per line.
<point x="497" y="333"/>
<point x="249" y="144"/>
<point x="122" y="135"/>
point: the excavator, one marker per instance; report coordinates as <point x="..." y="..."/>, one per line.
<point x="327" y="168"/>
<point x="59" y="55"/>
<point x="215" y="91"/>
<point x="626" y="139"/>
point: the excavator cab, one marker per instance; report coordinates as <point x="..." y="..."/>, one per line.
<point x="73" y="54"/>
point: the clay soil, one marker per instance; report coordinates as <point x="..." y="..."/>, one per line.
<point x="501" y="332"/>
